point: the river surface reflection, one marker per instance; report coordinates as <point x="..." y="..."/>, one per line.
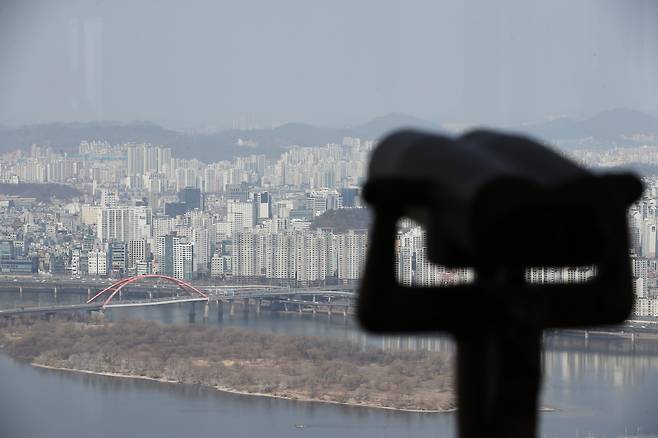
<point x="594" y="391"/>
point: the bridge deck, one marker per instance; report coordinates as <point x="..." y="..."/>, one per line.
<point x="293" y="296"/>
<point x="50" y="309"/>
<point x="154" y="302"/>
<point x="278" y="293"/>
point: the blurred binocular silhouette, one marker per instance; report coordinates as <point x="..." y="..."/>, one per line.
<point x="499" y="204"/>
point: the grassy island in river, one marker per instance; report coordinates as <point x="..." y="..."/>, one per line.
<point x="293" y="367"/>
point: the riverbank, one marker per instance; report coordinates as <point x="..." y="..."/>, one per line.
<point x="290" y="397"/>
<point x="297" y="368"/>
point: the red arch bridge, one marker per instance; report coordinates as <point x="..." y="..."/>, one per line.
<point x="105" y="296"/>
<point x="308" y="299"/>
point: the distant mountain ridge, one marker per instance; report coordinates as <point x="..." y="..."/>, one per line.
<point x="67" y="136"/>
<point x="612" y="125"/>
<point x="619" y="127"/>
<point x="205" y="147"/>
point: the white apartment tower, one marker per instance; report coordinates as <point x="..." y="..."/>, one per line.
<point x="648" y="236"/>
<point x="217" y="267"/>
<point x="240" y="215"/>
<point x="281" y="256"/>
<point x="123" y="223"/>
<point x="351" y="248"/>
<point x="183" y="260"/>
<point x="243" y="255"/>
<point x="115" y="224"/>
<point x="97" y="262"/>
<point x="311" y="257"/>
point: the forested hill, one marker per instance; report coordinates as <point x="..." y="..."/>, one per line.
<point x="343" y="219"/>
<point x="41" y="192"/>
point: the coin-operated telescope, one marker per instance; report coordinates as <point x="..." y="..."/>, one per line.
<point x="499" y="204"/>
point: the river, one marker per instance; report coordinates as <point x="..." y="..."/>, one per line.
<point x="596" y="392"/>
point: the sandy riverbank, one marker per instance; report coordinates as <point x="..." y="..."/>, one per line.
<point x="288" y="396"/>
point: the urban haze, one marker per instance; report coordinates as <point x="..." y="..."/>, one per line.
<point x="183" y="228"/>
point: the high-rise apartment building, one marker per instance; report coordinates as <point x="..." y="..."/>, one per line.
<point x="281" y="258"/>
<point x="640" y="267"/>
<point x="137" y="252"/>
<point x="97" y="262"/>
<point x="183" y="261"/>
<point x="649" y="236"/>
<point x="240" y="215"/>
<point x="115" y="224"/>
<point x="243" y="254"/>
<point x="217" y="265"/>
<point x="175" y="256"/>
<point x="192" y="198"/>
<point x="204" y="246"/>
<point x="123" y="223"/>
<point x="311" y="257"/>
<point x="351" y="249"/>
<point x="109" y="199"/>
<point x="118" y="257"/>
<point x="165" y="253"/>
<point x="262" y="206"/>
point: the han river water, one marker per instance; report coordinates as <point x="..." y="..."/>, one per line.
<point x="594" y="387"/>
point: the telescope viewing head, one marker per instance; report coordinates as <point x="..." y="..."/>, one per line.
<point x="499" y="204"/>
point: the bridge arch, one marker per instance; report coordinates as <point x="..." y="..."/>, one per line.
<point x="114" y="288"/>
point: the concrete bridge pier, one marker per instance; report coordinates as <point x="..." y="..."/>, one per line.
<point x="55" y="293"/>
<point x="300" y="308"/>
<point x="220" y="309"/>
<point x="285" y="307"/>
<point x="88" y="293"/>
<point x="231" y="308"/>
<point x="192" y="314"/>
<point x="206" y="307"/>
<point x="245" y="307"/>
<point x="258" y="306"/>
<point x="329" y="310"/>
<point x="100" y="313"/>
<point x="20" y="292"/>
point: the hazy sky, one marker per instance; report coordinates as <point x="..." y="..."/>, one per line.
<point x="208" y="63"/>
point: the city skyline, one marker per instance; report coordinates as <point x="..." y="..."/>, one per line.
<point x="141" y="210"/>
<point x="403" y="218"/>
